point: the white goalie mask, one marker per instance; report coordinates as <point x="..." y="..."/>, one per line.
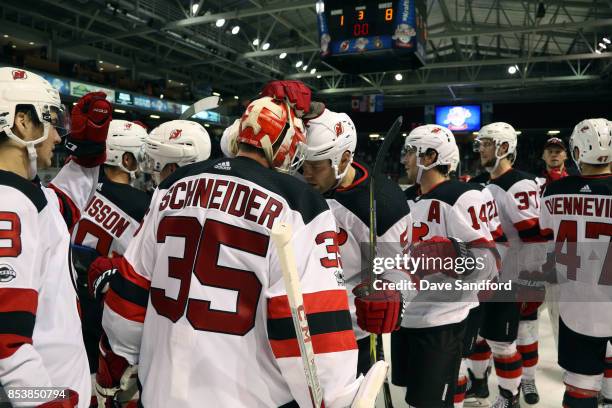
<point x="434" y="137"/>
<point x="178" y="141"/>
<point x="124" y="137"/>
<point x="499" y="133"/>
<point x="20" y="87"/>
<point x="327" y="138"/>
<point x="593" y="138"/>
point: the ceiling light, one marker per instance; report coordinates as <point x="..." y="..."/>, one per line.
<point x="154" y="116"/>
<point x="101" y="69"/>
<point x="32" y="43"/>
<point x="119" y="110"/>
<point x="475" y="133"/>
<point x="5" y="36"/>
<point x="216" y="94"/>
<point x="553" y="132"/>
<point x="101" y="62"/>
<point x="14" y="46"/>
<point x="318" y="76"/>
<point x="374" y="135"/>
<point x="605" y="39"/>
<point x="235" y="30"/>
<point x="161" y="96"/>
<point x="283" y="55"/>
<point x="305" y="67"/>
<point x="518" y="132"/>
<point x="512" y="69"/>
<point x="236" y="97"/>
<point x="404" y="134"/>
<point x="220" y="22"/>
<point x="194" y="9"/>
<point x="313" y="71"/>
<point x="207" y="125"/>
<point x="256" y="42"/>
<point x="597" y="51"/>
<point x="399" y="77"/>
<point x="265" y="46"/>
<point x="117" y="66"/>
<point x="298" y="64"/>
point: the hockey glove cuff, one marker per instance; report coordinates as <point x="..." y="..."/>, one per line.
<point x="99" y="275"/>
<point x="380" y="311"/>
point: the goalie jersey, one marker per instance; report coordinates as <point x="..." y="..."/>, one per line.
<point x="577" y="210"/>
<point x="350" y="206"/>
<point x="200" y="304"/>
<point x="41" y="344"/>
<point x="461" y="211"/>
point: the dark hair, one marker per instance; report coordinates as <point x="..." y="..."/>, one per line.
<point x="443" y="169"/>
<point x="30" y="112"/>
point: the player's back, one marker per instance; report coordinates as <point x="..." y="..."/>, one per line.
<point x="218" y="329"/>
<point x="578" y="211"/>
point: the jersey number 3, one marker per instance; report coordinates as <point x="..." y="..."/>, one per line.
<point x="201" y="253"/>
<point x="10" y="234"/>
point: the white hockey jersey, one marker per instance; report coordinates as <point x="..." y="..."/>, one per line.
<point x="578" y="211"/>
<point x="350" y="206"/>
<point x="216" y="327"/>
<point x="458" y="210"/>
<point x="41" y="344"/>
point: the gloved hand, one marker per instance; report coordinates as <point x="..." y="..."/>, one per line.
<point x="531" y="288"/>
<point x="69" y="400"/>
<point x="91" y="117"/>
<point x="434" y="252"/>
<point x="380" y="311"/>
<point x="100" y="272"/>
<point x="297" y="93"/>
<point x="114" y="374"/>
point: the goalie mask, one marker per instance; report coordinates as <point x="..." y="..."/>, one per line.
<point x="20" y="87"/>
<point x="328" y="137"/>
<point x="124" y="137"/>
<point x="593" y="140"/>
<point x="272" y="126"/>
<point x="499" y="133"/>
<point x="434" y="137"/>
<point x="180" y="142"/>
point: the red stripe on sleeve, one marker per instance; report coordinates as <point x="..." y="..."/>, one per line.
<point x="10" y="343"/>
<point x="124" y="308"/>
<point x="321" y="343"/>
<point x="18" y="300"/>
<point x="526" y="224"/>
<point x="76" y="213"/>
<point x="317" y="302"/>
<point x="127" y="271"/>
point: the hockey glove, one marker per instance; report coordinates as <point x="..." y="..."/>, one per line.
<point x="296" y="93"/>
<point x="91" y="117"/>
<point x="100" y="274"/>
<point x="114" y="372"/>
<point x="69" y="400"/>
<point x="435" y="253"/>
<point x="380" y="311"/>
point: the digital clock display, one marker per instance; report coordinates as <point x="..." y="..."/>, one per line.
<point x="360" y="19"/>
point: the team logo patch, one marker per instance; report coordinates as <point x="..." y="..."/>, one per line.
<point x="19" y="74"/>
<point x="339" y="129"/>
<point x="7" y="273"/>
<point x="339" y="277"/>
<point x="128" y="125"/>
<point x="436" y="130"/>
<point x="175" y="134"/>
<point x="223" y="166"/>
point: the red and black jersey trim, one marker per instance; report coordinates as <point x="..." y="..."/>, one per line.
<point x="26" y="187"/>
<point x="128" y="293"/>
<point x="319" y="323"/>
<point x="529" y="231"/>
<point x="17" y="319"/>
<point x="70" y="212"/>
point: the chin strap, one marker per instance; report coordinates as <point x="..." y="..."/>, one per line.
<point x="30" y="147"/>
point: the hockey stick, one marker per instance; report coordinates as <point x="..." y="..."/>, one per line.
<point x="204" y="104"/>
<point x="376" y="346"/>
<point x="281" y="235"/>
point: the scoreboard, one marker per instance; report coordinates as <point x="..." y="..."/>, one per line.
<point x="372" y="35"/>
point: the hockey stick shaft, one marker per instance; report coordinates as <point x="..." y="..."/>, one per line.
<point x="281" y="235"/>
<point x="204" y="104"/>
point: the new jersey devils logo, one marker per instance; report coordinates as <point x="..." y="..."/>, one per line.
<point x="342" y="237"/>
<point x="128" y="125"/>
<point x="436" y="130"/>
<point x="419" y="230"/>
<point x="339" y="129"/>
<point x="176" y="133"/>
<point x="19" y="74"/>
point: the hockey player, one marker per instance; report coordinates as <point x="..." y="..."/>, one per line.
<point x="516" y="195"/>
<point x="449" y="218"/>
<point x="577" y="210"/>
<point x="330" y="169"/>
<point x="41" y="344"/>
<point x="212" y="219"/>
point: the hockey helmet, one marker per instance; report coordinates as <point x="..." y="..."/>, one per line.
<point x="124" y="137"/>
<point x="434" y="137"/>
<point x="593" y="138"/>
<point x="499" y="133"/>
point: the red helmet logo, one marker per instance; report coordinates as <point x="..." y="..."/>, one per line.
<point x="19" y="74"/>
<point x="176" y="133"/>
<point x="339" y="129"/>
<point x="436" y="130"/>
<point x="128" y="125"/>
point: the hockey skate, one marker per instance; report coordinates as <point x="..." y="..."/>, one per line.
<point x="530" y="391"/>
<point x="505" y="399"/>
<point x="477" y="390"/>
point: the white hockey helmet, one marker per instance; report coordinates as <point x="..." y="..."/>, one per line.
<point x="499" y="133"/>
<point x="434" y="137"/>
<point x="124" y="137"/>
<point x="177" y="141"/>
<point x="593" y="138"/>
<point x="328" y="136"/>
<point x="21" y="87"/>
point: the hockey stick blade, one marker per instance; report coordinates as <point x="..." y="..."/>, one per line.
<point x="281" y="235"/>
<point x="204" y="104"/>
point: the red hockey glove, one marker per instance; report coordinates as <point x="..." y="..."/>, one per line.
<point x="114" y="372"/>
<point x="531" y="288"/>
<point x="296" y="92"/>
<point x="91" y="117"/>
<point x="99" y="275"/>
<point x="70" y="399"/>
<point x="378" y="312"/>
<point x="434" y="253"/>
